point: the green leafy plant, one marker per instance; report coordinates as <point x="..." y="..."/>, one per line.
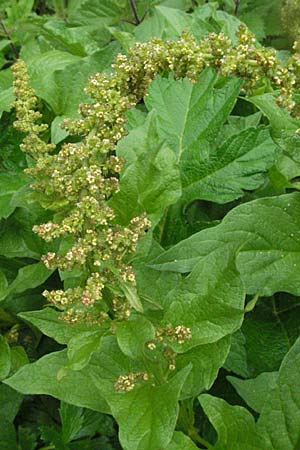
<point x="149" y="242"/>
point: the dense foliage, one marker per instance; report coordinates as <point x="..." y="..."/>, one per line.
<point x="150" y="225"/>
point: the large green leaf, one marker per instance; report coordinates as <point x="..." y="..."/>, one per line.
<point x="264" y="232"/>
<point x="280" y="417"/>
<point x="76" y="387"/>
<point x="189" y="117"/>
<point x="210" y="301"/>
<point x="235" y="425"/>
<point x="191" y="112"/>
<point x="146" y="415"/>
<point x="222" y="174"/>
<point x="150" y="179"/>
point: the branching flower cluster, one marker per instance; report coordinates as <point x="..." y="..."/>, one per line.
<point x="77" y="180"/>
<point x="290" y="15"/>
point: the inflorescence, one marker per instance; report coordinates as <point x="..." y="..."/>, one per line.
<point x="78" y="180"/>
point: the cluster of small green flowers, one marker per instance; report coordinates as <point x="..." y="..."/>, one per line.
<point x="125" y="383"/>
<point x="258" y="66"/>
<point x="166" y="335"/>
<point x="28" y="118"/>
<point x="80" y="178"/>
<point x="180" y="334"/>
<point x="290" y="16"/>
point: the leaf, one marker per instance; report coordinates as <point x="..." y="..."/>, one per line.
<point x="67" y="90"/>
<point x="222" y="174"/>
<point x="210" y="301"/>
<point x="282" y="406"/>
<point x="6" y="100"/>
<point x="164" y="22"/>
<point x="5" y="358"/>
<point x="206" y="362"/>
<point x="10" y="402"/>
<point x="81" y="347"/>
<point x="18" y="358"/>
<point x="10" y="183"/>
<point x="132" y="296"/>
<point x="72" y="419"/>
<point x="48" y="322"/>
<point x="180" y="441"/>
<point x="8" y="435"/>
<point x="27" y="439"/>
<point x="150" y="425"/>
<point x="279" y="118"/>
<point x="270" y="330"/>
<point x="266" y="233"/>
<point x="235" y="425"/>
<point x="76" y="387"/>
<point x="188" y="113"/>
<point x="255" y="391"/>
<point x="91" y="12"/>
<point x="133" y="334"/>
<point x="28" y="277"/>
<point x="52" y="436"/>
<point x="42" y="66"/>
<point x="150" y="179"/>
<point x="18" y="242"/>
<point x="236" y="360"/>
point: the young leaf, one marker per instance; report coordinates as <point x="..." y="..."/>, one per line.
<point x="235" y="425"/>
<point x="133" y="334"/>
<point x="81" y="347"/>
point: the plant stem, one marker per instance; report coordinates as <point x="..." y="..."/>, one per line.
<point x="196" y="437"/>
<point x="134" y="11"/>
<point x="237" y="4"/>
<point x="6" y="33"/>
